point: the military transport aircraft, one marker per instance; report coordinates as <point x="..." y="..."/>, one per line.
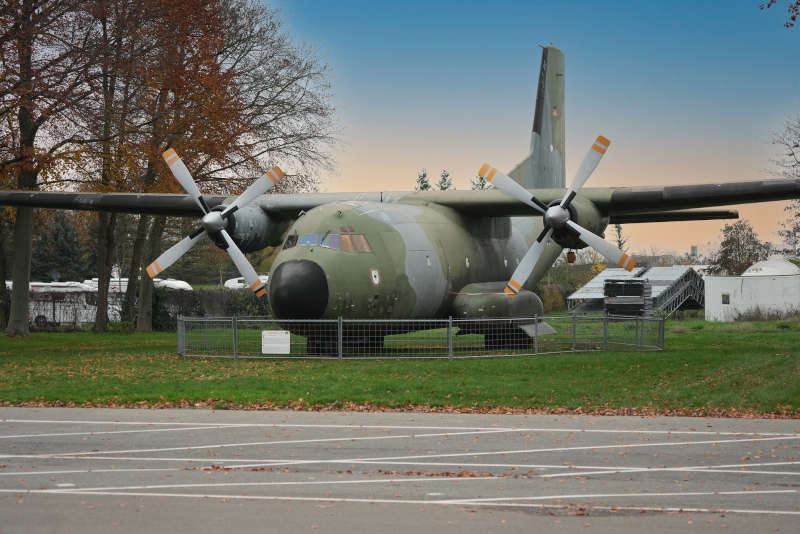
<point x="425" y="254"/>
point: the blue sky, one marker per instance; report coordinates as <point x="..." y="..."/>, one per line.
<point x="688" y="92"/>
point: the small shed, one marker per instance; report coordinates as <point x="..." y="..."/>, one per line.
<point x="767" y="289"/>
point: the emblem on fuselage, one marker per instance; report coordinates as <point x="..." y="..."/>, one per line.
<point x="375" y="276"/>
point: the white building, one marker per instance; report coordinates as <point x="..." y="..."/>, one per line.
<point x="769" y="288"/>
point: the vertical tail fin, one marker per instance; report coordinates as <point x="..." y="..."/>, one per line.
<point x="544" y="166"/>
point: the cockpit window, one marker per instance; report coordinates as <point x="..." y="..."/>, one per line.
<point x="360" y="243"/>
<point x="309" y="240"/>
<point x="291" y="241"/>
<point x="344" y="242"/>
<point x="347" y="243"/>
<point x="331" y="241"/>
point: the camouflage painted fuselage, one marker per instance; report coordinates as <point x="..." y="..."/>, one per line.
<point x="420" y="255"/>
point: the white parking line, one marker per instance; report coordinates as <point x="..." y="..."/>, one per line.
<point x="410" y="427"/>
<point x="613" y="495"/>
<point x="690" y="468"/>
<point x="406" y="501"/>
<point x="274" y="442"/>
<point x="408" y="436"/>
<point x="549" y="449"/>
<point x="79" y="471"/>
<point x="59" y="434"/>
<point x="287" y="483"/>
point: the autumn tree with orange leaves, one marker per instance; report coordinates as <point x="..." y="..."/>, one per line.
<point x="46" y="59"/>
<point x="219" y="81"/>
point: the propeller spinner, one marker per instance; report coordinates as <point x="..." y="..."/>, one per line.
<point x="556" y="217"/>
<point x="214" y="223"/>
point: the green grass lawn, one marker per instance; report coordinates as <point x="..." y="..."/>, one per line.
<point x="707" y="368"/>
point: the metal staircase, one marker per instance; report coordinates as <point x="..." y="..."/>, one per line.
<point x="688" y="289"/>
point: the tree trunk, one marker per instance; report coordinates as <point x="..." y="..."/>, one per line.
<point x="137" y="260"/>
<point x="4" y="294"/>
<point x="144" y="317"/>
<point x="26" y="179"/>
<point x="21" y="273"/>
<point x="105" y="261"/>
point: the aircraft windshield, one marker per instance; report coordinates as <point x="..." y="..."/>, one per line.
<point x="331" y="241"/>
<point x="308" y="240"/>
<point x="345" y="242"/>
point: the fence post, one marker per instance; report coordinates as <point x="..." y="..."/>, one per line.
<point x="574" y="330"/>
<point x="661" y="333"/>
<point x="605" y="332"/>
<point x="450" y="337"/>
<point x="637" y="334"/>
<point x="536" y="333"/>
<point x="234" y="326"/>
<point x="339" y="336"/>
<point x="181" y="336"/>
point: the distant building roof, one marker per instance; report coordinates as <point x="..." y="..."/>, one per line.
<point x="660" y="279"/>
<point x="594" y="287"/>
<point x="773" y="266"/>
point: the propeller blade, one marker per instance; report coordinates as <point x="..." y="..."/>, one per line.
<point x="612" y="253"/>
<point x="256" y="285"/>
<point x="526" y="266"/>
<point x="256" y="189"/>
<point x="184" y="178"/>
<point x="510" y="187"/>
<point x="174" y="253"/>
<point x="586" y="169"/>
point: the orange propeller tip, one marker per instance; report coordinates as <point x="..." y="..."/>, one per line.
<point x="483" y="170"/>
<point x="604" y="140"/>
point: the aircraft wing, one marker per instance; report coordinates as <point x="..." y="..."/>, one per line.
<point x="631" y="204"/>
<point x="176" y="205"/>
<point x="620" y="204"/>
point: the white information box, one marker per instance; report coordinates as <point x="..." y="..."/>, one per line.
<point x="275" y="342"/>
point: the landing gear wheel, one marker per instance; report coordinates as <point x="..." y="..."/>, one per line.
<point x="40" y="321"/>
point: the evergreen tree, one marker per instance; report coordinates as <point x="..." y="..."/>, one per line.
<point x="445" y="182"/>
<point x="57" y="252"/>
<point x="422" y="181"/>
<point x="479" y="183"/>
<point x="620" y="239"/>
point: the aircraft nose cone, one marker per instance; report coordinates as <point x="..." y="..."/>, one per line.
<point x="298" y="289"/>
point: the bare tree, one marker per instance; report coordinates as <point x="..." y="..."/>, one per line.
<point x="281" y="104"/>
<point x="788" y="166"/>
<point x="45" y="57"/>
<point x="739" y="248"/>
<point x="792" y="11"/>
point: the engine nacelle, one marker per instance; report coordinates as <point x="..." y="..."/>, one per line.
<point x="487" y="299"/>
<point x="252" y="229"/>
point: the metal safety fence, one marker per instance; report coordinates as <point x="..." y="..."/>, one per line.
<point x="266" y="337"/>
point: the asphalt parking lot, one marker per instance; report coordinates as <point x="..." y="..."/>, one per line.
<point x="105" y="470"/>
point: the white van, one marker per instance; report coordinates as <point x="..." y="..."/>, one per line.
<point x="240" y="283"/>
